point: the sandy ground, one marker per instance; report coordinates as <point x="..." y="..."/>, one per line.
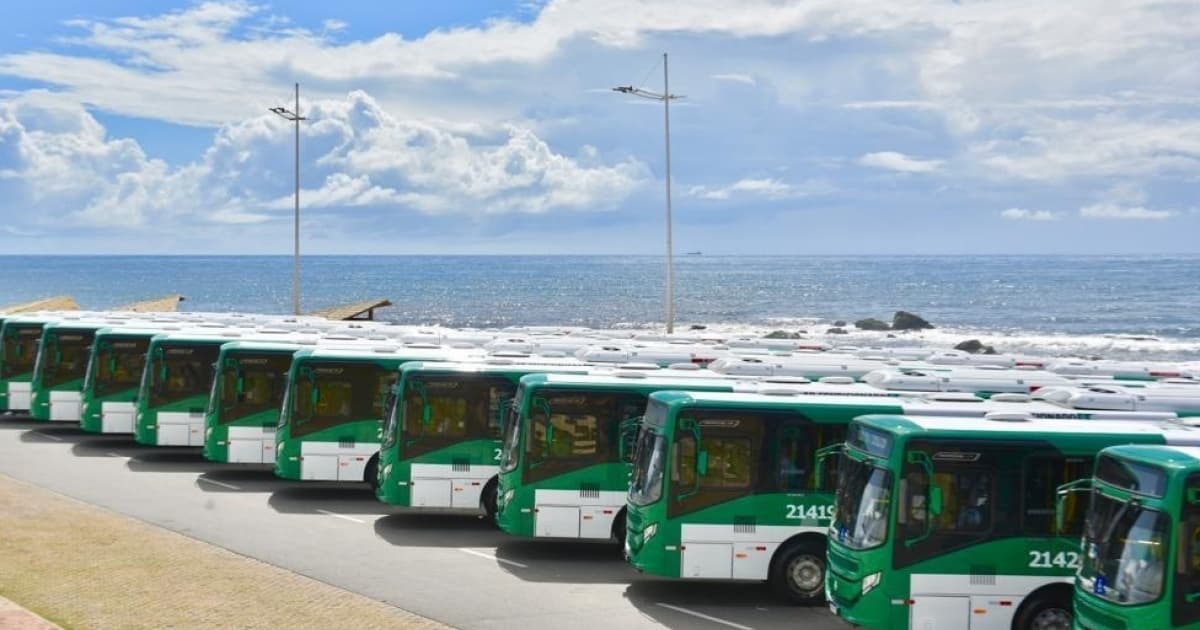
<point x="83" y="567"/>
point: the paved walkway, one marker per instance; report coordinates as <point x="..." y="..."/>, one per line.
<point x="86" y="567"/>
<point x="13" y="617"/>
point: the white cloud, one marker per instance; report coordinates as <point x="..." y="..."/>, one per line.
<point x="1114" y="211"/>
<point x="1021" y="214"/>
<point x="736" y="78"/>
<point x="893" y="161"/>
<point x="770" y="189"/>
<point x="57" y="157"/>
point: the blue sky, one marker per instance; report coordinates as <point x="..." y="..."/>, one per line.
<point x="822" y="127"/>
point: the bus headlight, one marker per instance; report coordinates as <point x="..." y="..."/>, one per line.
<point x="649" y="532"/>
<point x="870" y="582"/>
<point x="508" y="496"/>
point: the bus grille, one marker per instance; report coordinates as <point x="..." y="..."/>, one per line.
<point x="842" y="565"/>
<point x="983" y="575"/>
<point x="744" y="524"/>
<point x="589" y="491"/>
<point x="460" y="464"/>
<point x="346" y="442"/>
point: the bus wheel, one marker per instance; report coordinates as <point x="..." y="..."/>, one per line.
<point x="371" y="472"/>
<point x="619" y="529"/>
<point x="798" y="573"/>
<point x="488" y="501"/>
<point x="1045" y="612"/>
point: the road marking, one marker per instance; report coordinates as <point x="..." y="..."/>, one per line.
<point x="52" y="437"/>
<point x="493" y="557"/>
<point x="218" y="483"/>
<point x="701" y="615"/>
<point x="342" y="516"/>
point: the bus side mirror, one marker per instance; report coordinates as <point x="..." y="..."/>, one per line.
<point x="1193" y="495"/>
<point x="935" y="501"/>
<point x="314" y="397"/>
<point x="426" y="414"/>
<point x="241" y="384"/>
<point x="702" y="464"/>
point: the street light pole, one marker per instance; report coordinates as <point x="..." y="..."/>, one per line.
<point x="666" y="97"/>
<point x="294" y="116"/>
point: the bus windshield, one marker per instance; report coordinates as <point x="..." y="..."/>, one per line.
<point x="332" y="394"/>
<point x="117" y="366"/>
<point x="180" y="371"/>
<point x="649" y="464"/>
<point x="250" y="384"/>
<point x="862" y="505"/>
<point x="1124" y="551"/>
<point x="68" y="356"/>
<point x="441" y="410"/>
<point x="571" y="430"/>
<point x="20" y="349"/>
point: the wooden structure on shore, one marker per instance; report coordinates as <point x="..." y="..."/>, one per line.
<point x="359" y="311"/>
<point x="56" y="303"/>
<point x="168" y="304"/>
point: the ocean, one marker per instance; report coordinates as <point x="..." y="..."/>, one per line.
<point x="1116" y="307"/>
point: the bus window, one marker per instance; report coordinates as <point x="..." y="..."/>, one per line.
<point x="723" y="465"/>
<point x="440" y="411"/>
<point x="1042" y="477"/>
<point x="797" y="446"/>
<point x="966" y="484"/>
<point x="252" y="384"/>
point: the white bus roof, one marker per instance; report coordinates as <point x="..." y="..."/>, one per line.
<point x="971" y="379"/>
<point x="1154" y="397"/>
<point x="934" y="405"/>
<point x="1172" y="432"/>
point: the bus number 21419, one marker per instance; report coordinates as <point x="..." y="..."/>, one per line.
<point x="813" y="512"/>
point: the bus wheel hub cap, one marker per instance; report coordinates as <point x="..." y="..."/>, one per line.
<point x="1052" y="619"/>
<point x="806" y="573"/>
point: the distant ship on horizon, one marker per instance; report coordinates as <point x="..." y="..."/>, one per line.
<point x="695" y="253"/>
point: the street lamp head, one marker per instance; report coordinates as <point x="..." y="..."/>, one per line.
<point x="624" y="89"/>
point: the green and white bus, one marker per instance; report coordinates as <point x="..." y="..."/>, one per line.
<point x="441" y="442"/>
<point x="113" y="375"/>
<point x="19" y="341"/>
<point x="1140" y="566"/>
<point x="950" y="522"/>
<point x="331" y="420"/>
<point x="688" y="517"/>
<point x="247" y="394"/>
<point x="564" y="463"/>
<point x="61" y="367"/>
<point x="176" y="384"/>
<point x="243" y="406"/>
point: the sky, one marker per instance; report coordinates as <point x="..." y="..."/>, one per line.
<point x="470" y="127"/>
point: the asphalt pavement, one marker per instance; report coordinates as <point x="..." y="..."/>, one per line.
<point x="457" y="570"/>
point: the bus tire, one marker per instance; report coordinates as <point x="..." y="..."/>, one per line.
<point x="1050" y="609"/>
<point x="371" y="472"/>
<point x="798" y="573"/>
<point x="619" y="528"/>
<point x="487" y="500"/>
